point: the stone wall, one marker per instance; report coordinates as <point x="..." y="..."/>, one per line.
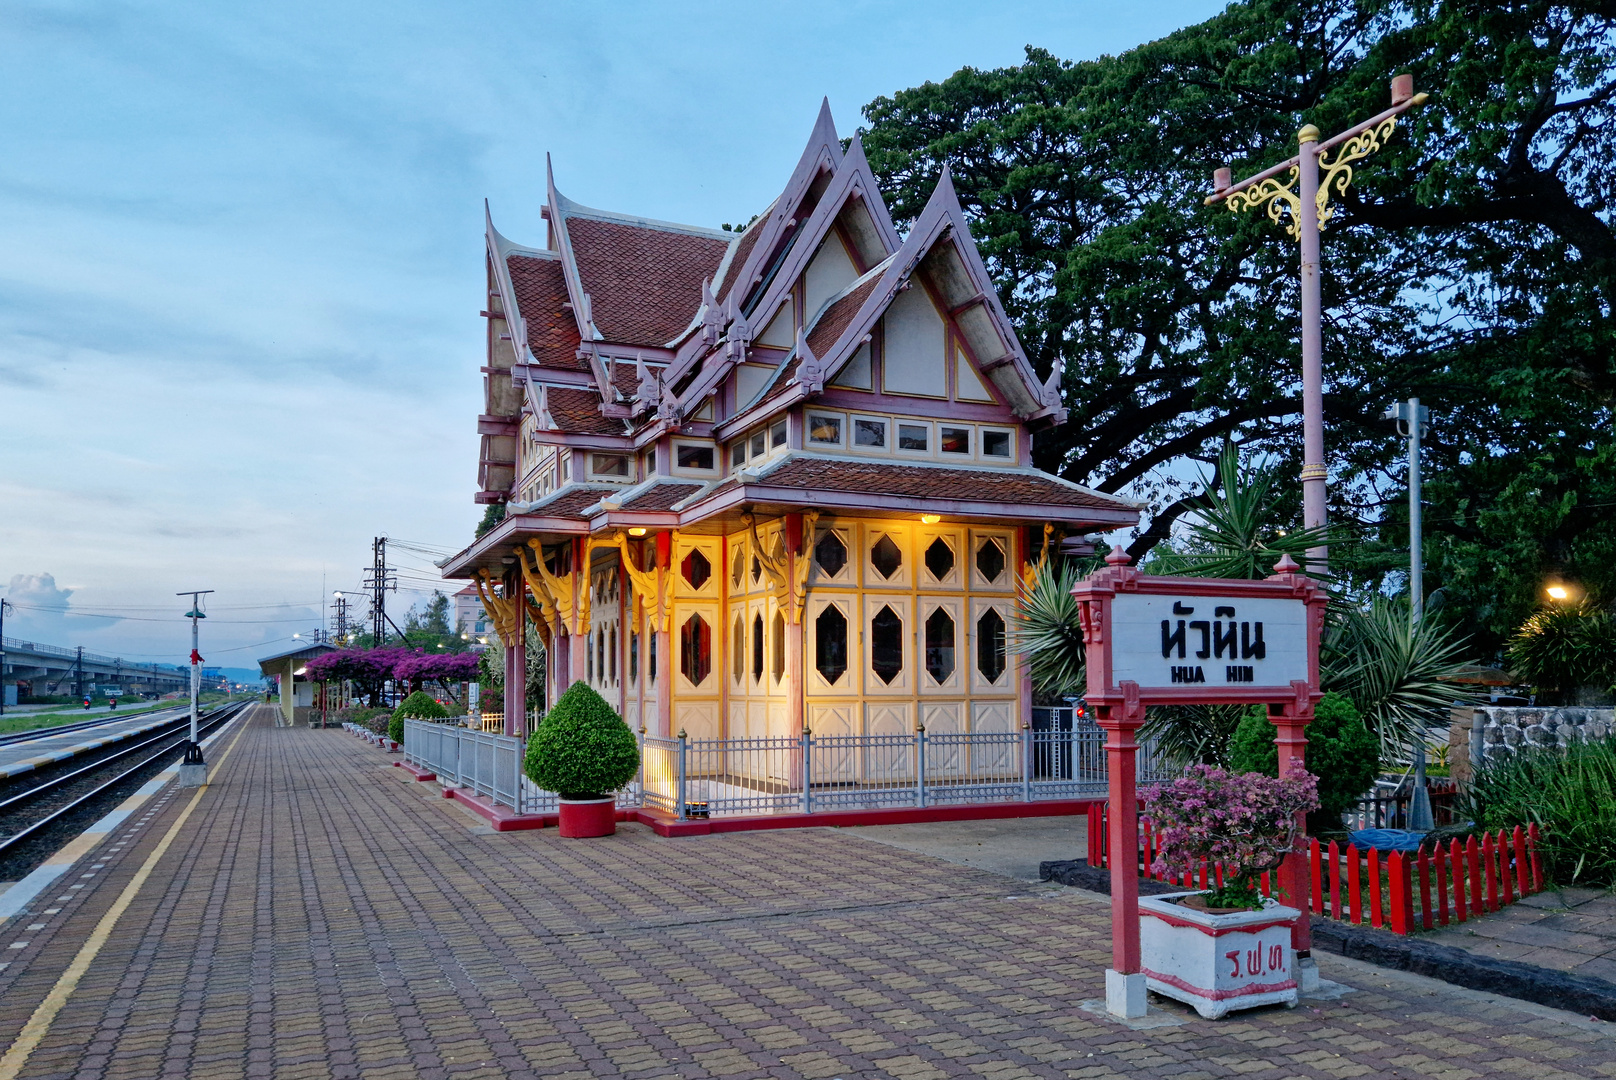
<point x="1504" y="728"/>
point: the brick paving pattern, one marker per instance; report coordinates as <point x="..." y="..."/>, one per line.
<point x="321" y="916"/>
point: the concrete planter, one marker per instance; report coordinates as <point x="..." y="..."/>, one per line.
<point x="1217" y="963"/>
<point x="582" y="818"/>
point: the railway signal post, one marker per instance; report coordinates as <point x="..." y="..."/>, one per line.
<point x="193" y="770"/>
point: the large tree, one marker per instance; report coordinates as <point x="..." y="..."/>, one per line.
<point x="1471" y="263"/>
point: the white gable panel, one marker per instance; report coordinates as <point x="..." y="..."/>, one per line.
<point x="782" y="331"/>
<point x="829" y="273"/>
<point x="913" y="356"/>
<point x="750" y="379"/>
<point x="967" y="383"/>
<point x="855" y="374"/>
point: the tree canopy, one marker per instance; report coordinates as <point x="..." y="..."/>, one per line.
<point x="1470" y="263"/>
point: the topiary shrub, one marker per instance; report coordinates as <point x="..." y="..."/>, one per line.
<point x="1341" y="752"/>
<point x="583" y="749"/>
<point x="418" y="706"/>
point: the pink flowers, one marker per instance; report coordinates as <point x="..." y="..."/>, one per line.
<point x="1246" y="821"/>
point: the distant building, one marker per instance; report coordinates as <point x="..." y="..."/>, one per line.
<point x="286" y="670"/>
<point x="470" y="618"/>
<point x="764" y="480"/>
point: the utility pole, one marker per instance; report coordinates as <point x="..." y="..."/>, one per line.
<point x="378" y="581"/>
<point x="193" y="770"/>
<point x="1306" y="196"/>
<point x="340" y="618"/>
<point x="78" y="674"/>
<point x="5" y="606"/>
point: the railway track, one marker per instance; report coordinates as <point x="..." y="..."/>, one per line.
<point x="37" y="814"/>
<point x="84" y="725"/>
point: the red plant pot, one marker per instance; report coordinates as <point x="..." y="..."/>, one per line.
<point x="588" y="817"/>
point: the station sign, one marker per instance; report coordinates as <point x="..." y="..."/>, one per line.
<point x="1157" y="640"/>
<point x="1187" y="639"/>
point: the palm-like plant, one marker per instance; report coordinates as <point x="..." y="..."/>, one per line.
<point x="1232" y="534"/>
<point x="1046" y="630"/>
<point x="1400" y="674"/>
<point x="1564" y="649"/>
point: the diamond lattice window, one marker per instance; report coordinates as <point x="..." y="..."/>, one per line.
<point x="939" y="558"/>
<point x="990" y="560"/>
<point x="696" y="569"/>
<point x="885" y="557"/>
<point x="831" y="554"/>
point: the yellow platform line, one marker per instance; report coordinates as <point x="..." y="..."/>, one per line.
<point x="39" y="1024"/>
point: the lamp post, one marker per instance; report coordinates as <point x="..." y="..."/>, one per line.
<point x="1303" y="196"/>
<point x="5" y="606"/>
<point x="193" y="770"/>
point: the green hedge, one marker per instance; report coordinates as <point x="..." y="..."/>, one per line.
<point x="1342" y="752"/>
<point x="582" y="750"/>
<point x="418" y="706"/>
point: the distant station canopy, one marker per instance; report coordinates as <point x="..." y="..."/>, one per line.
<point x="768" y="477"/>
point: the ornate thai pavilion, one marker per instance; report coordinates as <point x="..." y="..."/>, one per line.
<point x="761" y="480"/>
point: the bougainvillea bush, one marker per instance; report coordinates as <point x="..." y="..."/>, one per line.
<point x="1245" y="821"/>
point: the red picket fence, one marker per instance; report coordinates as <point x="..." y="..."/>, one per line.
<point x="1400" y="891"/>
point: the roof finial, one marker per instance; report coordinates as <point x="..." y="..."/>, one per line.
<point x="648" y="389"/>
<point x="1052" y="385"/>
<point x="810" y="374"/>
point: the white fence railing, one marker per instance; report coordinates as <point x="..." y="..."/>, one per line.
<point x="1054" y="758"/>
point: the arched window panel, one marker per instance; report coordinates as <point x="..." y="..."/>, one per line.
<point x="757" y="646"/>
<point x="889" y="663"/>
<point x="990" y="658"/>
<point x="737" y="649"/>
<point x="778" y="637"/>
<point x="830" y="647"/>
<point x="940" y="633"/>
<point x="737" y="567"/>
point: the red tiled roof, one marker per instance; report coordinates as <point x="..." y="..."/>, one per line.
<point x="923" y="482"/>
<point x="749" y="239"/>
<point x="836" y="317"/>
<point x="569" y="503"/>
<point x="661" y="497"/>
<point x="644" y="284"/>
<point x="577" y="412"/>
<point x="552" y="332"/>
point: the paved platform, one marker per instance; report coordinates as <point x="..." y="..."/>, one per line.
<point x="314" y="912"/>
<point x="29" y="754"/>
<point x="1571" y="929"/>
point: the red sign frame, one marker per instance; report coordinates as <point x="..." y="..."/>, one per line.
<point x="1120" y="710"/>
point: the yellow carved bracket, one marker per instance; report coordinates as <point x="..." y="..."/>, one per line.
<point x="501" y="610"/>
<point x="799" y="579"/>
<point x="771" y="565"/>
<point x="1280" y="196"/>
<point x="1337" y="174"/>
<point x="647" y="585"/>
<point x="547" y="609"/>
<point x="557" y="586"/>
<point x="1029" y="572"/>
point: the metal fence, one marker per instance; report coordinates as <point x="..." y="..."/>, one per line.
<point x="1053" y="758"/>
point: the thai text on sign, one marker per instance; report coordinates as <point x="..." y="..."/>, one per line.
<point x="1166" y="640"/>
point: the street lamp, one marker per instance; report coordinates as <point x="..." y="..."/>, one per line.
<point x="1305" y="195"/>
<point x="193" y="770"/>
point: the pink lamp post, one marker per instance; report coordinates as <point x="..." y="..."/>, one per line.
<point x="1306" y="199"/>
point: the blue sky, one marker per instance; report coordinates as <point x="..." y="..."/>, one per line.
<point x="241" y="256"/>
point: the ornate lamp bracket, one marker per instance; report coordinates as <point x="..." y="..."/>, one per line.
<point x="1279" y="195"/>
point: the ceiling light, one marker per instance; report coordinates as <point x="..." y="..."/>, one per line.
<point x="930" y="519"/>
<point x="638" y="530"/>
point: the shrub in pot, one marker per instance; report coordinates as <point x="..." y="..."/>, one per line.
<point x="583" y="751"/>
<point x="418" y="706"/>
<point x="1223" y="948"/>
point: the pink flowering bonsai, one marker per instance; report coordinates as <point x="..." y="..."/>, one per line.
<point x="1245" y="821"/>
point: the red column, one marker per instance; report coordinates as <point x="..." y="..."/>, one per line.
<point x="1290" y="738"/>
<point x="1121" y="722"/>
